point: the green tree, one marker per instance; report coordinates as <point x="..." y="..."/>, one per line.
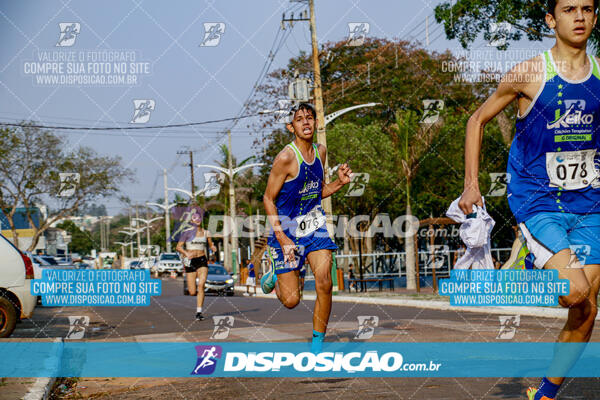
<point x="377" y="140"/>
<point x="30" y="175"/>
<point x="81" y="242"/>
<point x="466" y="19"/>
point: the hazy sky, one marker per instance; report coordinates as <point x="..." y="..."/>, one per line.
<point x="186" y="82"/>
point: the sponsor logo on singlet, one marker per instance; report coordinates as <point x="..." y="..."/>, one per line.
<point x="308" y="186"/>
<point x="573" y="116"/>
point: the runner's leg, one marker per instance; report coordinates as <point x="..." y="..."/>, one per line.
<point x="191" y="282"/>
<point x="582" y="304"/>
<point x="202" y="273"/>
<point x="320" y="263"/>
<point x="287" y="288"/>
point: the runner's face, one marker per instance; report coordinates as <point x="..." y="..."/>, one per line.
<point x="573" y="20"/>
<point x="303" y="124"/>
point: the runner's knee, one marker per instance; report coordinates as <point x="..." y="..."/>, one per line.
<point x="323" y="283"/>
<point x="291" y="301"/>
<point x="578" y="295"/>
<point x="579" y="290"/>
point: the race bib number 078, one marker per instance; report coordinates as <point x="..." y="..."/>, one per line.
<point x="571" y="170"/>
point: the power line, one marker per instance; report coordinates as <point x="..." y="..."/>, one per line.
<point x="275" y="47"/>
<point x="123" y="128"/>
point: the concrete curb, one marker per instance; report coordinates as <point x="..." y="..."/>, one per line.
<point x="542" y="312"/>
<point x="41" y="388"/>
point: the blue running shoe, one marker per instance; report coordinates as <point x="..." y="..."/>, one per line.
<point x="267" y="282"/>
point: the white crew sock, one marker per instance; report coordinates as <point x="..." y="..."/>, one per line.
<point x="198" y="309"/>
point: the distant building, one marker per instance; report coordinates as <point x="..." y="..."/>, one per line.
<point x="25" y="230"/>
<point x="57" y="241"/>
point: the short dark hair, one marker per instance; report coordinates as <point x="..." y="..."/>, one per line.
<point x="302" y="106"/>
<point x="552" y="6"/>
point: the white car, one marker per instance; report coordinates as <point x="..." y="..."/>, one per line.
<point x="38" y="264"/>
<point x="16" y="300"/>
<point x="169" y="262"/>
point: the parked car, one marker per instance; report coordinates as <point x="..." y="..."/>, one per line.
<point x="148" y="262"/>
<point x="38" y="264"/>
<point x="16" y="300"/>
<point x="55" y="263"/>
<point x="218" y="281"/>
<point x="169" y="262"/>
<point x="135" y="264"/>
<point x="49" y="259"/>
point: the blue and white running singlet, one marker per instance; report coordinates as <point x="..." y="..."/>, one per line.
<point x="553" y="160"/>
<point x="302" y="218"/>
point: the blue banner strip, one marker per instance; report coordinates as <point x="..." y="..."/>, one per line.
<point x="350" y="359"/>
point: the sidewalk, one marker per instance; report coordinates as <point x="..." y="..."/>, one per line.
<point x="402" y="297"/>
<point x="29" y="388"/>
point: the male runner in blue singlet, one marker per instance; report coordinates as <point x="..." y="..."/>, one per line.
<point x="293" y="204"/>
<point x="554" y="190"/>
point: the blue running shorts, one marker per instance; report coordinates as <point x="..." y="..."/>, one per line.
<point x="547" y="233"/>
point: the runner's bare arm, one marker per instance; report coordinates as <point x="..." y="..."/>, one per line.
<point x="210" y="243"/>
<point x="507" y="92"/>
<point x="180" y="249"/>
<point x="344" y="175"/>
<point x="282" y="168"/>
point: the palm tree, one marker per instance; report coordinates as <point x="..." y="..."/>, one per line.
<point x="415" y="140"/>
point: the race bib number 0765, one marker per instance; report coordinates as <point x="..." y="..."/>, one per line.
<point x="571" y="170"/>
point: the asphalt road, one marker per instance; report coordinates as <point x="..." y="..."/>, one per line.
<point x="170" y="317"/>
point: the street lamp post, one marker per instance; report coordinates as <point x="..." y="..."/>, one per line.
<point x="123" y="244"/>
<point x="130" y="232"/>
<point x="166" y="207"/>
<point x="148" y="222"/>
<point x="230" y="172"/>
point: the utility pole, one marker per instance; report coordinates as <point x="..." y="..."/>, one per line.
<point x="191" y="165"/>
<point x="131" y="248"/>
<point x="139" y="242"/>
<point x="167" y="212"/>
<point x="107" y="232"/>
<point x="318" y="93"/>
<point x="102" y="247"/>
<point x="148" y="231"/>
<point x="234" y="241"/>
<point x="193" y="201"/>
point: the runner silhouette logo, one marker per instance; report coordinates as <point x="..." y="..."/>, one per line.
<point x="68" y="183"/>
<point x="223" y="324"/>
<point x="508" y="326"/>
<point x="207" y="359"/>
<point x="582" y="251"/>
<point x="212" y="34"/>
<point x="77" y="325"/>
<point x="358" y="31"/>
<point x="358" y="184"/>
<point x="68" y="33"/>
<point x="366" y="326"/>
<point x="499" y="33"/>
<point x="142" y="110"/>
<point x="431" y="110"/>
<point x="498" y="185"/>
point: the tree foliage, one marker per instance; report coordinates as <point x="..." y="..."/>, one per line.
<point x="466" y="19"/>
<point x="30" y="166"/>
<point x="81" y="241"/>
<point x="406" y="159"/>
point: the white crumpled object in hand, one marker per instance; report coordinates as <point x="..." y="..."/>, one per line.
<point x="475" y="233"/>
